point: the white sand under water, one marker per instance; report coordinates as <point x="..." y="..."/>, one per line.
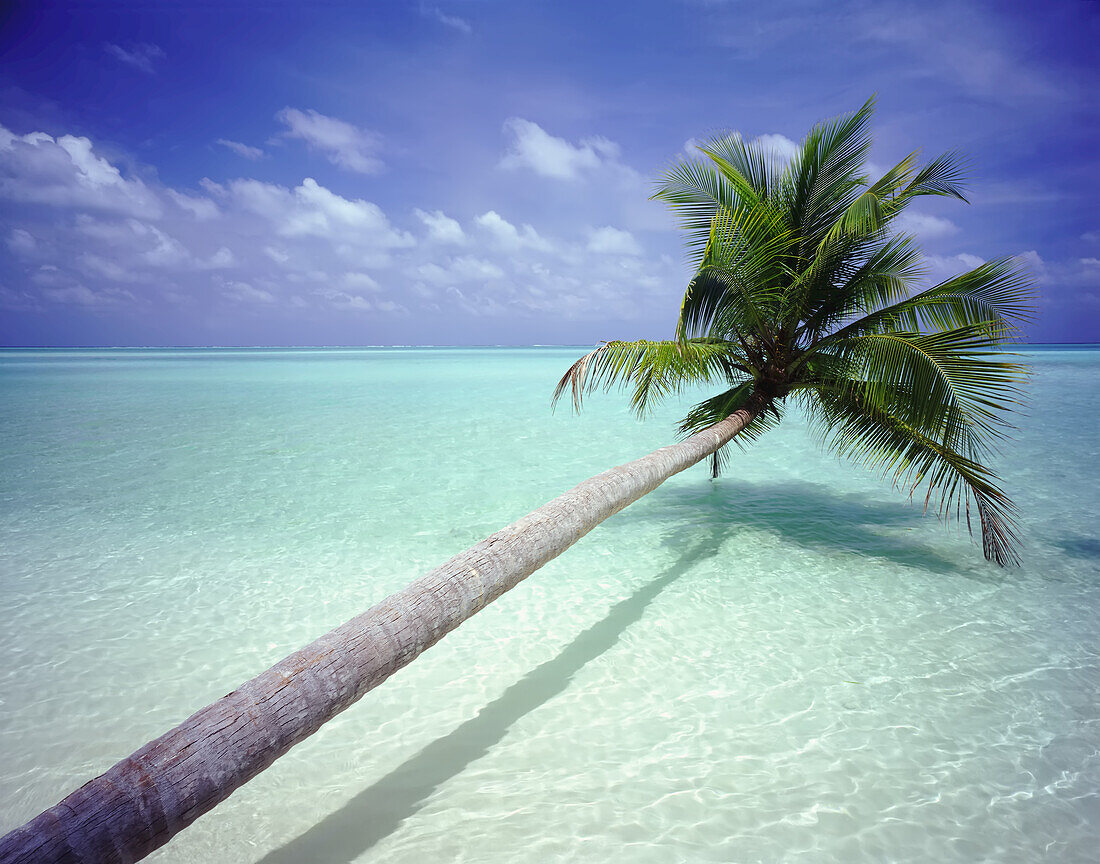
<point x="789" y="664"/>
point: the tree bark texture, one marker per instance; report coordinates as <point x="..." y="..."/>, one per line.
<point x="156" y="792"/>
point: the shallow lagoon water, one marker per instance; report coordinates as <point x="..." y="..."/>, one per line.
<point x="788" y="664"/>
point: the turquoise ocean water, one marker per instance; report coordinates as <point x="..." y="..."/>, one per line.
<point x="788" y="664"/>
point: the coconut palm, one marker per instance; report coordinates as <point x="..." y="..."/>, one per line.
<point x="803" y="291"/>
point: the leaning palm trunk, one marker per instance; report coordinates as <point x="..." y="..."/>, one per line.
<point x="153" y="794"/>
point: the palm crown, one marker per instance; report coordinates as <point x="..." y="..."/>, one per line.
<point x="804" y="291"/>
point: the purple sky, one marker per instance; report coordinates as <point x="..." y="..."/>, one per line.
<point x="283" y="173"/>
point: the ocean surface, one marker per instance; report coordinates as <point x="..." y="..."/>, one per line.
<point x="788" y="664"/>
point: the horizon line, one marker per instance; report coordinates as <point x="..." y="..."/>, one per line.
<point x="391" y="345"/>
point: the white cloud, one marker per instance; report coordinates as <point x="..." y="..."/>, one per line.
<point x="939" y="268"/>
<point x="140" y="55"/>
<point x="354" y="302"/>
<point x="1034" y="263"/>
<point x="342" y="143"/>
<point x="452" y="21"/>
<point x="223" y="258"/>
<point x="359" y="282"/>
<point x="199" y="207"/>
<point x="22" y="242"/>
<point x="464" y="269"/>
<point x="78" y="294"/>
<point x="924" y="225"/>
<point x="1091" y="262"/>
<point x="94" y="265"/>
<point x="612" y="241"/>
<point x="244" y="292"/>
<point x="441" y="227"/>
<point x="534" y="148"/>
<point x="279" y="256"/>
<point x="313" y="210"/>
<point x="782" y="147"/>
<point x="66" y="172"/>
<point x="110" y="241"/>
<point x="164" y="251"/>
<point x="248" y="152"/>
<point x="506" y="236"/>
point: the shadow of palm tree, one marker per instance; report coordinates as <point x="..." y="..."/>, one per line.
<point x="806" y="514"/>
<point x="1080" y="546"/>
<point x="379" y="809"/>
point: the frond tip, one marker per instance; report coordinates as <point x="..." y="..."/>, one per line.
<point x="866" y="422"/>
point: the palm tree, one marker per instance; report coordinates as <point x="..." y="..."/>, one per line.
<point x="801" y="292"/>
<point x="804" y="292"/>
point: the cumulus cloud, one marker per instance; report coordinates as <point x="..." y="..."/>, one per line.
<point x="1034" y="263"/>
<point x="464" y="269"/>
<point x="342" y="143"/>
<point x="360" y="282"/>
<point x="245" y="292"/>
<point x="248" y="152"/>
<point x="780" y="146"/>
<point x="507" y="236"/>
<point x="66" y="172"/>
<point x="441" y="227"/>
<point x="612" y="241"/>
<point x="310" y="209"/>
<point x="939" y="268"/>
<point x="222" y="259"/>
<point x="141" y="55"/>
<point x="924" y="225"/>
<point x="102" y="240"/>
<point x="533" y="148"/>
<point x="197" y="206"/>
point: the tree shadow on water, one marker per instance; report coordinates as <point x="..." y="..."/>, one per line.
<point x="811" y="516"/>
<point x="1079" y="546"/>
<point x="379" y="810"/>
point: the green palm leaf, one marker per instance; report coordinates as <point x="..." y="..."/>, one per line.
<point x="652" y="369"/>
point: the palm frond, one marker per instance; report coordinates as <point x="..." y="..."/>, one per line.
<point x="653" y="369"/>
<point x="864" y="430"/>
<point x="830" y="172"/>
<point x="942" y="176"/>
<point x="735" y="288"/>
<point x="997" y="293"/>
<point x="696" y="191"/>
<point x="960" y="389"/>
<point x="882" y="277"/>
<point x="742" y="161"/>
<point x="718" y="408"/>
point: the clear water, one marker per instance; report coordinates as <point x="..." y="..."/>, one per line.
<point x="790" y="664"/>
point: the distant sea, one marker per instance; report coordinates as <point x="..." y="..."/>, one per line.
<point x="788" y="664"/>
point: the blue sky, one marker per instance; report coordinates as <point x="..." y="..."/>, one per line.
<point x="244" y="173"/>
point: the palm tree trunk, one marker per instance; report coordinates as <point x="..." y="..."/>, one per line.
<point x="156" y="792"/>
